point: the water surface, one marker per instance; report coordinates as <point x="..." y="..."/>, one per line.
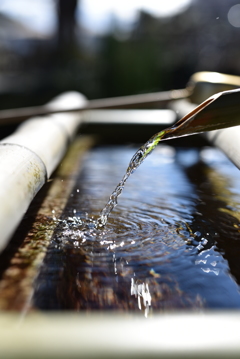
<point x="172" y="242"/>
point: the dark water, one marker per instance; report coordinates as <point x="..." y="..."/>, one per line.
<point x="172" y="242"/>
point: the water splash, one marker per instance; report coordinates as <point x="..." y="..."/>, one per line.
<point x="135" y="162"/>
<point x="142" y="293"/>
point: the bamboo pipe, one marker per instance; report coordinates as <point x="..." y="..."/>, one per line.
<point x="201" y="85"/>
<point x="194" y="334"/>
<point x="27" y="159"/>
<point x="151" y="99"/>
<point x="227" y="139"/>
<point x="22" y="174"/>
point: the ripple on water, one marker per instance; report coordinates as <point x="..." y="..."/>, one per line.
<point x="156" y="252"/>
<point x="119" y="266"/>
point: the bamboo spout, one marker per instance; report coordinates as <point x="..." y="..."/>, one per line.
<point x="221" y="110"/>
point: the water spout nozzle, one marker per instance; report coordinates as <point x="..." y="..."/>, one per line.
<point x="219" y="111"/>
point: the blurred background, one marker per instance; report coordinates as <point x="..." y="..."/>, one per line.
<point x="105" y="48"/>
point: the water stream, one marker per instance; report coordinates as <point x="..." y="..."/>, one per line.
<point x="135" y="162"/>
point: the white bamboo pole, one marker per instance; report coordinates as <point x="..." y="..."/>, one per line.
<point x="228" y="141"/>
<point x="178" y="335"/>
<point x="29" y="156"/>
<point x="22" y="174"/>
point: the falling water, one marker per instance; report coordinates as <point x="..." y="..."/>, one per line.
<point x="135" y="162"/>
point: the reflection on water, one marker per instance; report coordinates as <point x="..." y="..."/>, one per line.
<point x="142" y="293"/>
<point x="172" y="242"/>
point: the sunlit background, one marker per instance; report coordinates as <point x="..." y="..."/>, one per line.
<point x="106" y="48"/>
